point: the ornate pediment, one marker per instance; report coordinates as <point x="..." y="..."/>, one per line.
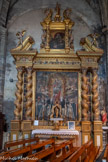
<point x="57" y="31"/>
<point x="57" y="49"/>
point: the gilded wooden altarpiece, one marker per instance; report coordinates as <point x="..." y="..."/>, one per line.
<point x="56" y="59"/>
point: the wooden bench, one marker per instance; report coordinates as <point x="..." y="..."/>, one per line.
<point x="76" y="155"/>
<point x="85" y="153"/>
<point x="64" y="152"/>
<point x="93" y="151"/>
<point x="24" y="151"/>
<point x="22" y="142"/>
<point x="50" y="150"/>
<point x="105" y="157"/>
<point x="50" y="153"/>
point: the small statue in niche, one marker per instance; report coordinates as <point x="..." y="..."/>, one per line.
<point x="56" y="110"/>
<point x="48" y="12"/>
<point x="67" y="13"/>
<point x="104" y="116"/>
<point x="43" y="37"/>
<point x="20" y="36"/>
<point x="71" y="39"/>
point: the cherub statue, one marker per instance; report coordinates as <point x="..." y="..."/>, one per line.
<point x="67" y="13"/>
<point x="20" y="36"/>
<point x="104" y="116"/>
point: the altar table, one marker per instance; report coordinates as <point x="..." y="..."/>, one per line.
<point x="61" y="132"/>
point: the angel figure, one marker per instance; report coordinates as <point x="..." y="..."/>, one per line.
<point x="20" y="36"/>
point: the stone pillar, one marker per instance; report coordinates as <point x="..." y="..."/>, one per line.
<point x="3" y="37"/>
<point x="97" y="129"/>
<point x="86" y="124"/>
<point x="105" y="31"/>
<point x="104" y="19"/>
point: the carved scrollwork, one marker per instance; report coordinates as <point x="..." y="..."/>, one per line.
<point x="85" y="96"/>
<point x="95" y="96"/>
<point x="18" y="94"/>
<point x="29" y="94"/>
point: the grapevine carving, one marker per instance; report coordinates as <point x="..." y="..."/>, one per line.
<point x="29" y="94"/>
<point x="95" y="96"/>
<point x="18" y="94"/>
<point x="85" y="97"/>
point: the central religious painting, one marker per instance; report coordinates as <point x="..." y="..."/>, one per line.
<point x="57" y="87"/>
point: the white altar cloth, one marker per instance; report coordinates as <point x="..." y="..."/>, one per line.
<point x="105" y="127"/>
<point x="63" y="132"/>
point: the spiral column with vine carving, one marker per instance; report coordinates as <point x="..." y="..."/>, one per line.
<point x="29" y="94"/>
<point x="18" y="94"/>
<point x="47" y="36"/>
<point x="85" y="97"/>
<point x="66" y="38"/>
<point x="95" y="95"/>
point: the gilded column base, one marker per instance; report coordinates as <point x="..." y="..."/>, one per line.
<point x="67" y="50"/>
<point x="98" y="134"/>
<point x="26" y="127"/>
<point x="86" y="131"/>
<point x="15" y="130"/>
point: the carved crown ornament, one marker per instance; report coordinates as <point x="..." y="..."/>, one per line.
<point x="57" y="45"/>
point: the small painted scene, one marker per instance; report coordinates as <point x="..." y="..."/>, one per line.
<point x="57" y="40"/>
<point x="57" y="95"/>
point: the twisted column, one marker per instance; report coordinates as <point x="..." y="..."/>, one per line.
<point x="47" y="36"/>
<point x="66" y="37"/>
<point x="29" y="94"/>
<point x="95" y="95"/>
<point x="85" y="97"/>
<point x="18" y="94"/>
